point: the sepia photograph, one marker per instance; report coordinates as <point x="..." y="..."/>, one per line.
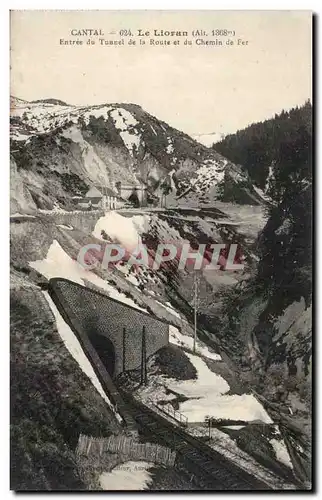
<point x="161" y="250"/>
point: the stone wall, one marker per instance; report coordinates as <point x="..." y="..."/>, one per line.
<point x="93" y="314"/>
<point x="85" y="221"/>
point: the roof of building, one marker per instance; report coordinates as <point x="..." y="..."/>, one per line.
<point x="99" y="191"/>
<point x="108" y="191"/>
<point x="133" y="186"/>
<point x="93" y="192"/>
<point x="85" y="198"/>
<point x="97" y="199"/>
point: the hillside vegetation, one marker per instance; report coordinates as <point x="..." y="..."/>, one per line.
<point x="52" y="400"/>
<point x="266" y="322"/>
<point x="275" y="152"/>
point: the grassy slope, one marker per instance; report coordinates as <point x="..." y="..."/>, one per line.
<point x="52" y="400"/>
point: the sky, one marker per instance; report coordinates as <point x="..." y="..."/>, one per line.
<point x="198" y="89"/>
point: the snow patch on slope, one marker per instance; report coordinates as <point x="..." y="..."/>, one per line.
<point x="169" y="148"/>
<point x="269" y="177"/>
<point x="72" y="344"/>
<point x="98" y="112"/>
<point x="261" y="193"/>
<point x="125" y="123"/>
<point x="206" y="180"/>
<point x="127" y="476"/>
<point x="182" y="340"/>
<point x="122" y="230"/>
<point x="58" y="264"/>
<point x="281" y="452"/>
<point x="207" y="397"/>
<point x="41" y="118"/>
<point x="169" y="308"/>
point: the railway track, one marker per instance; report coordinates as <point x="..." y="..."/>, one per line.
<point x="208" y="468"/>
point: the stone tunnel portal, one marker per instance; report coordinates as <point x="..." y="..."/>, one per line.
<point x="105" y="349"/>
<point x="108" y="328"/>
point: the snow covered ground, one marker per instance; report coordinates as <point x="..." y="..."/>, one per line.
<point x="281" y="452"/>
<point x="122" y="230"/>
<point x="125" y="269"/>
<point x="182" y="340"/>
<point x="127" y="476"/>
<point x="43" y="117"/>
<point x="22" y="215"/>
<point x="72" y="344"/>
<point x="207" y="397"/>
<point x="125" y="122"/>
<point x="261" y="193"/>
<point x="169" y="308"/>
<point x="58" y="264"/>
<point x="64" y="226"/>
<point x="212" y="172"/>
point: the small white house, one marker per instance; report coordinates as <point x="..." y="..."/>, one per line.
<point x="101" y="197"/>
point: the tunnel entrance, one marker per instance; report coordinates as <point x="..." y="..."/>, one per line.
<point x="105" y="349"/>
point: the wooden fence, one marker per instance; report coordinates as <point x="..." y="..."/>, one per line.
<point x="126" y="446"/>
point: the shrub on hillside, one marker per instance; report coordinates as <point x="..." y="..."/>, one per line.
<point x="174" y="363"/>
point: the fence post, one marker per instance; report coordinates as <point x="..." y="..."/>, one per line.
<point x="88" y="446"/>
<point x="124" y="337"/>
<point x="144" y="356"/>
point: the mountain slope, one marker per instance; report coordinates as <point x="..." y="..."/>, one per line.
<point x="60" y="150"/>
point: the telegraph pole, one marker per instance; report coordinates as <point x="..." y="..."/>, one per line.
<point x="142" y="357"/>
<point x="145" y="368"/>
<point x="124" y="334"/>
<point x="195" y="303"/>
<point x="144" y="374"/>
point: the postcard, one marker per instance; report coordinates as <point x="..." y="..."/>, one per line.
<point x="161" y="250"/>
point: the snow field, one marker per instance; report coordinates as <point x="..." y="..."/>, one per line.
<point x="207" y="397"/>
<point x="182" y="340"/>
<point x="130" y="475"/>
<point x="122" y="230"/>
<point x="281" y="452"/>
